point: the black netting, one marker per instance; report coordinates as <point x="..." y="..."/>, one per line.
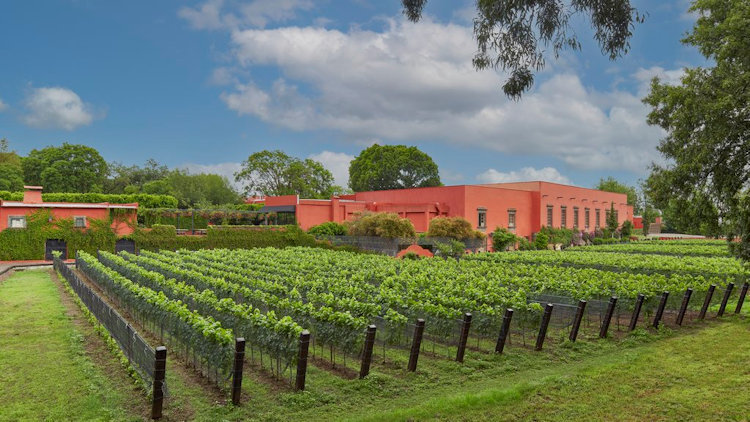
<point x="141" y="356"/>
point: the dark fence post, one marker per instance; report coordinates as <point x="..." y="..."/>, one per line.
<point x="304" y="344"/>
<point x="636" y="312"/>
<point x="608" y="317"/>
<point x="543" y="327"/>
<point x="160" y="368"/>
<point x="504" y="330"/>
<point x="724" y="301"/>
<point x="465" y="326"/>
<point x="707" y="301"/>
<point x="364" y="369"/>
<point x="416" y="343"/>
<point x="741" y="300"/>
<point x="577" y="320"/>
<point x="683" y="307"/>
<point x="239" y="361"/>
<point x="660" y="309"/>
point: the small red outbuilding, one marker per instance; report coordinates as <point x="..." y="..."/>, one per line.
<point x="14" y="214"/>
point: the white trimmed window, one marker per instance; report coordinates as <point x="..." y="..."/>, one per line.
<point x="79" y="222"/>
<point x="481" y="218"/>
<point x="512" y="219"/>
<point x="17" y="221"/>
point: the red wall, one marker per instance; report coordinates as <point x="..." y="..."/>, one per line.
<point x="121" y="228"/>
<point x="559" y="195"/>
<point x="420" y="205"/>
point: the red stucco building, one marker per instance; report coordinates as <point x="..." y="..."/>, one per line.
<point x="14" y="214"/>
<point x="522" y="207"/>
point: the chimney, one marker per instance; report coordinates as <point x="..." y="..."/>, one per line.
<point x="32" y="195"/>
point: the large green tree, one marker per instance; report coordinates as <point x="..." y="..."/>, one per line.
<point x="276" y="173"/>
<point x="392" y="167"/>
<point x="11" y="172"/>
<point x="67" y="168"/>
<point x="194" y="190"/>
<point x="610" y="184"/>
<point x="515" y="35"/>
<point x="707" y="120"/>
<point x="130" y="179"/>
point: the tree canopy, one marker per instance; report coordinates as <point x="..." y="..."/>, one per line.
<point x="392" y="167"/>
<point x="610" y="184"/>
<point x="67" y="168"/>
<point x="513" y="35"/>
<point x="11" y="172"/>
<point x="707" y="120"/>
<point x="276" y="173"/>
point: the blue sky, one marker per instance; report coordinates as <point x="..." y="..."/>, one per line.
<point x="203" y="84"/>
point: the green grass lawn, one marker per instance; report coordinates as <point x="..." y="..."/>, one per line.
<point x="45" y="373"/>
<point x="700" y="376"/>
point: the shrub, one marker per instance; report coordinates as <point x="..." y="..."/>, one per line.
<point x="329" y="228"/>
<point x="541" y="241"/>
<point x="453" y="227"/>
<point x="502" y="238"/>
<point x="525" y="245"/>
<point x="627" y="229"/>
<point x="382" y="225"/>
<point x="559" y="235"/>
<point x="453" y="249"/>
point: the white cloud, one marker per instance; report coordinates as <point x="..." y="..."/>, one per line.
<point x="337" y="163"/>
<point x="56" y="108"/>
<point x="415" y="83"/>
<point x="222" y="169"/>
<point x="260" y="12"/>
<point x="206" y="16"/>
<point x="3" y="106"/>
<point x="546" y="174"/>
<point x="644" y="77"/>
<point x="213" y="15"/>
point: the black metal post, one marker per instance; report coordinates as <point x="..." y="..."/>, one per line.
<point x="577" y="320"/>
<point x="543" y="327"/>
<point x="364" y="369"/>
<point x="504" y="330"/>
<point x="192" y="221"/>
<point x="239" y="361"/>
<point x="160" y="369"/>
<point x="304" y="344"/>
<point x="465" y="326"/>
<point x="741" y="300"/>
<point x="660" y="309"/>
<point x="636" y="312"/>
<point x="727" y="293"/>
<point x="416" y="343"/>
<point x="608" y="317"/>
<point x="683" y="307"/>
<point x="707" y="301"/>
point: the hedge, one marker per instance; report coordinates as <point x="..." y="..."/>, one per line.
<point x="143" y="200"/>
<point x="230" y="237"/>
<point x="29" y="243"/>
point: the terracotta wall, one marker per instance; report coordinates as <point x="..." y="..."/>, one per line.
<point x="121" y="228"/>
<point x="420" y="205"/>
